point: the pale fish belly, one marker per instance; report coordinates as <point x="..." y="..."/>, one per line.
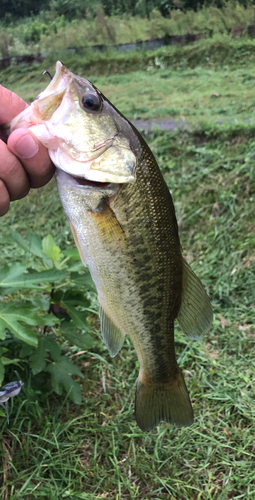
<point x="102" y="246"/>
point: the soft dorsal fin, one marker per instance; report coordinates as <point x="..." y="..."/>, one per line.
<point x="113" y="337"/>
<point x="195" y="315"/>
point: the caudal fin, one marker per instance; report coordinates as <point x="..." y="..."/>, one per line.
<point x="163" y="401"/>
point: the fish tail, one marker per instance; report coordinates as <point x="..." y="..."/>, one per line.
<point x="162" y="401"/>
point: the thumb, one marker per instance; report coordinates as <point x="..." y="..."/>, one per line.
<point x="33" y="155"/>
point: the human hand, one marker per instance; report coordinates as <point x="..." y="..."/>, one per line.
<point x="24" y="162"/>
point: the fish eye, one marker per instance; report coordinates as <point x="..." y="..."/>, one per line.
<point x="91" y="102"/>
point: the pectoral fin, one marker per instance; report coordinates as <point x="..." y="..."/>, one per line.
<point x="77" y="243"/>
<point x="195" y="315"/>
<point x="113" y="337"/>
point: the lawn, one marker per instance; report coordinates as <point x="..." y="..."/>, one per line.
<point x="208" y="82"/>
<point x="54" y="449"/>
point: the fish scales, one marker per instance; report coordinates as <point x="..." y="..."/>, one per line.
<point x="156" y="270"/>
<point x="123" y="220"/>
<point x="149" y="266"/>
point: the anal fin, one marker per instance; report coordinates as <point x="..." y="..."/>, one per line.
<point x="195" y="315"/>
<point x="113" y="337"/>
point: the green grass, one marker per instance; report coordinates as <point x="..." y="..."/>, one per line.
<point x="208" y="82"/>
<point x="53" y="449"/>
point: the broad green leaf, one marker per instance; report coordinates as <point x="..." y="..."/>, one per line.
<point x="2" y="370"/>
<point x="37" y="360"/>
<point x="51" y="250"/>
<point x="82" y="340"/>
<point x="26" y="350"/>
<point x="75" y="266"/>
<point x="57" y="296"/>
<point x="48" y="320"/>
<point x="76" y="298"/>
<point x="32" y="244"/>
<point x="35" y="244"/>
<point x="41" y="301"/>
<point x="21" y="242"/>
<point x="27" y="310"/>
<point x="15" y="318"/>
<point x="8" y="361"/>
<point x="61" y="376"/>
<point x="9" y="274"/>
<point x="69" y="301"/>
<point x="78" y="317"/>
<point x="73" y="253"/>
<point x="13" y="276"/>
<point x="84" y="280"/>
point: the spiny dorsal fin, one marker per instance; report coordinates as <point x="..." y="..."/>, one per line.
<point x="195" y="315"/>
<point x="113" y="337"/>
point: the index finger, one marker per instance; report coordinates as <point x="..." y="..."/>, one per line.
<point x="11" y="105"/>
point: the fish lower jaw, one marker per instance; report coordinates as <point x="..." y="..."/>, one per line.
<point x="81" y="181"/>
<point x="80" y="172"/>
<point x="93" y="184"/>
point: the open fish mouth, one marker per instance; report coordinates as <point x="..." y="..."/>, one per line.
<point x="80" y="181"/>
<point x="93" y="184"/>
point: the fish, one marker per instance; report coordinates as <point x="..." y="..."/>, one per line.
<point x="123" y="220"/>
<point x="9" y="391"/>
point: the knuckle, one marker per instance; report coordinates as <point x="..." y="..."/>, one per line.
<point x="12" y="166"/>
<point x="23" y="191"/>
<point x="9" y="164"/>
<point x="46" y="173"/>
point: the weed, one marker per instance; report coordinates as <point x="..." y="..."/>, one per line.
<point x="52" y="31"/>
<point x="95" y="449"/>
<point x="53" y="448"/>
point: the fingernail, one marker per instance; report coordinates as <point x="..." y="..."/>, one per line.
<point x="26" y="147"/>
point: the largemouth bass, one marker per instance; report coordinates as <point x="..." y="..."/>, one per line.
<point x="123" y="221"/>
